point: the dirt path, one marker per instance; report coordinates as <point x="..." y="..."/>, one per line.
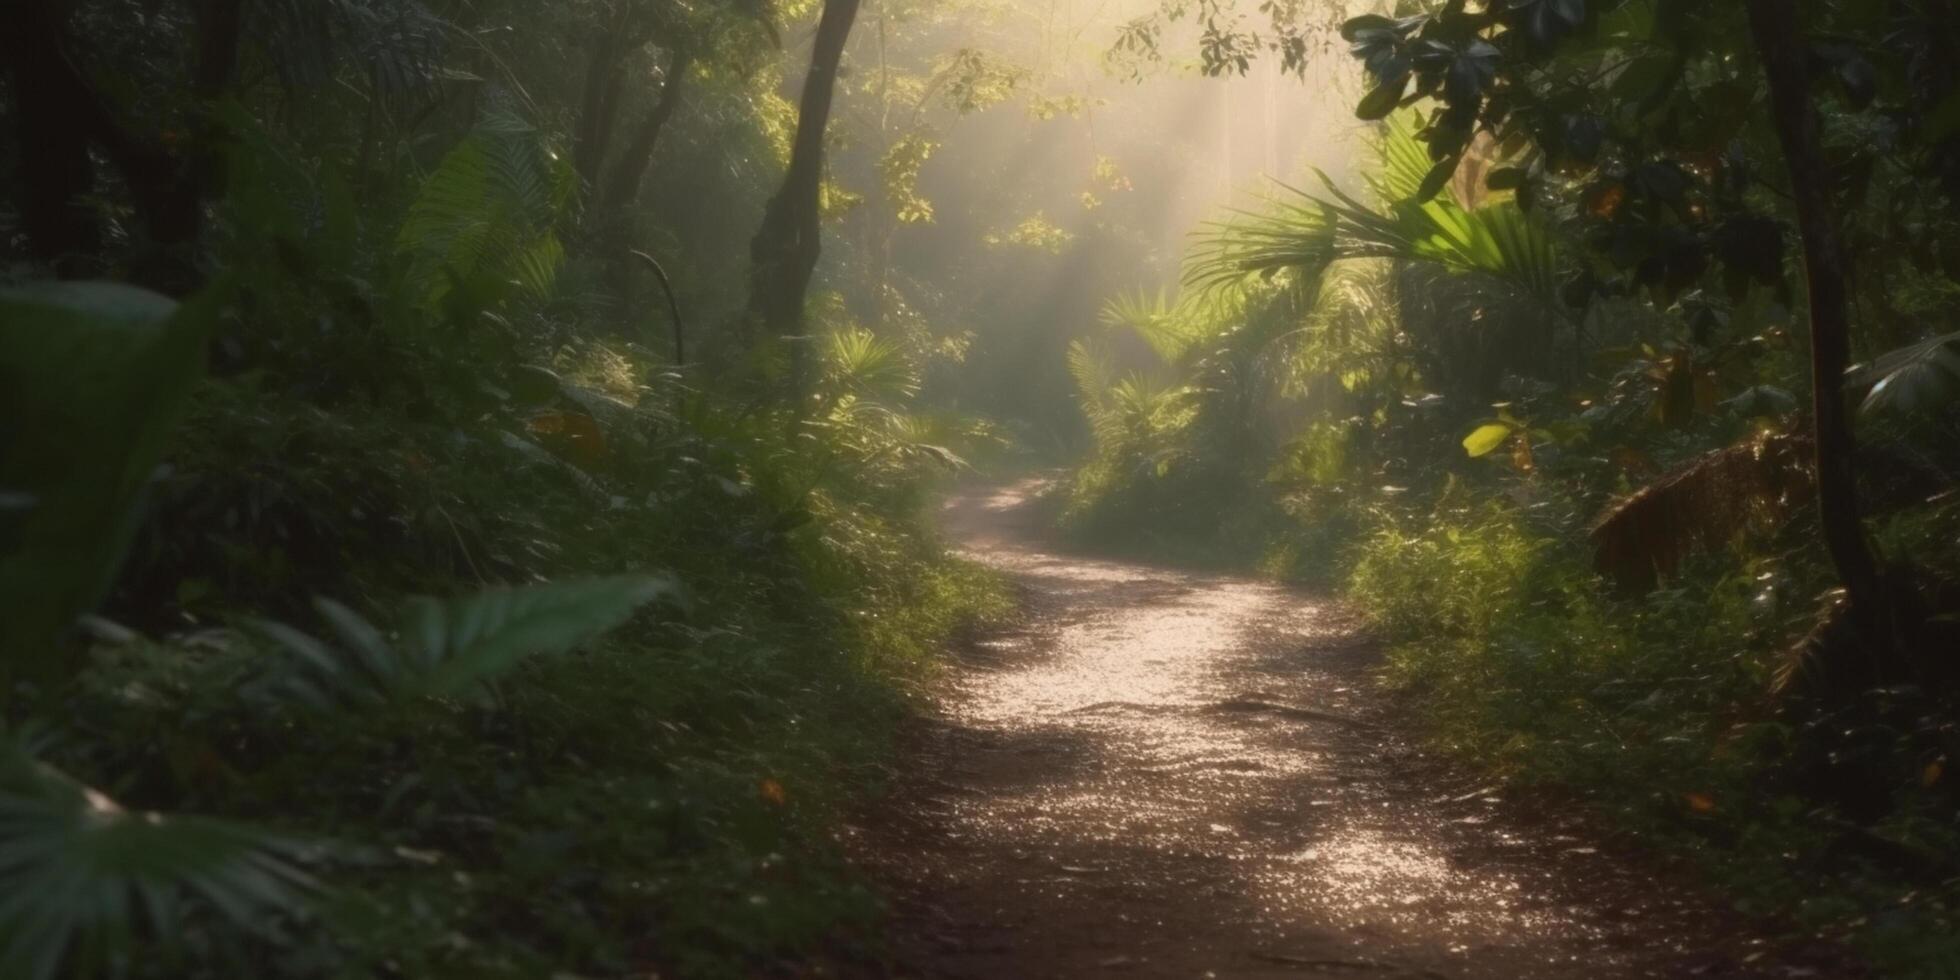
<point x="1176" y="774"/>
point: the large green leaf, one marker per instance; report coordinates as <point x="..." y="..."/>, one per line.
<point x="93" y="376"/>
<point x="477" y="637"/>
<point x="80" y="874"/>
<point x="449" y="647"/>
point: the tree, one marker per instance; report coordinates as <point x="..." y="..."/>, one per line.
<point x="1634" y="125"/>
<point x="967" y="81"/>
<point x="1773" y="24"/>
<point x="61" y="116"/>
<point x="783" y="254"/>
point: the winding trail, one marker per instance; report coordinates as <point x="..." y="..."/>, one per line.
<point x="1176" y="774"/>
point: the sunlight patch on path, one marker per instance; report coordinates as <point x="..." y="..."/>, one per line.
<point x="1117" y="703"/>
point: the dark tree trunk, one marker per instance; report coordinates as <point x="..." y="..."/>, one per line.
<point x="56" y="102"/>
<point x="607" y="217"/>
<point x="600" y="98"/>
<point x="622" y="188"/>
<point x="55" y="170"/>
<point x="1780" y="44"/>
<point x="784" y="252"/>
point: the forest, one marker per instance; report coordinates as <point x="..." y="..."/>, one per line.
<point x="1434" y="489"/>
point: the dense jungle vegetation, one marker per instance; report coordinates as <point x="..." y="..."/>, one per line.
<point x="1619" y="391"/>
<point x="468" y="466"/>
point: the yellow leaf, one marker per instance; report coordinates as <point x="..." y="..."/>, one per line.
<point x="773" y="792"/>
<point x="1486" y="439"/>
<point x="1700" y="802"/>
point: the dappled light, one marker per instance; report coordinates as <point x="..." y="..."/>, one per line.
<point x="1404" y="489"/>
<point x="1156" y="744"/>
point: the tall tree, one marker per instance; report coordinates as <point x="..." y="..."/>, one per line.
<point x="622" y="186"/>
<point x="1773" y="24"/>
<point x="783" y="254"/>
<point x="61" y="114"/>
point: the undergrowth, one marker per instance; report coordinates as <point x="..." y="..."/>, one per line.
<point x="661" y="801"/>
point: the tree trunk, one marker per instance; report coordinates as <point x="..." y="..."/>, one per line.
<point x="1780" y="44"/>
<point x="623" y="186"/>
<point x="56" y="102"/>
<point x="783" y="254"/>
<point x="600" y="98"/>
<point x="55" y="170"/>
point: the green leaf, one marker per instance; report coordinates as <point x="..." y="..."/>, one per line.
<point x="449" y="646"/>
<point x="1438" y="178"/>
<point x="481" y="636"/>
<point x="1366" y="22"/>
<point x="79" y="874"/>
<point x="1485" y="439"/>
<point x="93" y="378"/>
<point x="1377" y="104"/>
<point x="482" y="226"/>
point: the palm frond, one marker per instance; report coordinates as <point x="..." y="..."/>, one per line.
<point x="80" y="875"/>
<point x="1305" y="233"/>
<point x="1142" y="411"/>
<point x="1920" y="380"/>
<point x="1403" y="158"/>
<point x="1350" y="334"/>
<point x="1171" y="325"/>
<point x="1704" y="504"/>
<point x="448" y="647"/>
<point x="1089" y="364"/>
<point x="862" y="363"/>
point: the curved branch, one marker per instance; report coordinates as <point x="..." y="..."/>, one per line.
<point x="673" y="305"/>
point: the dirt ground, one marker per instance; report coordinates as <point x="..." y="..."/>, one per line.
<point x="1166" y="773"/>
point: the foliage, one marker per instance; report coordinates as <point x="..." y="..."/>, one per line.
<point x="484" y="223"/>
<point x="83" y="875"/>
<point x="1535" y="405"/>
<point x="1307" y="234"/>
<point x="448" y="648"/>
<point x="418" y="385"/>
<point x="97" y="365"/>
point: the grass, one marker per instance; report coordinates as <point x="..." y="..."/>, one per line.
<point x="1654" y="710"/>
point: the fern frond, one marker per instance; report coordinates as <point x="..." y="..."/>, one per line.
<point x="483" y="223"/>
<point x="1704" y="504"/>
